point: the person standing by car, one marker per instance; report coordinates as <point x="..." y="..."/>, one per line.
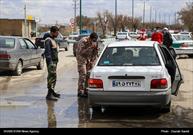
<point x="157" y="36"/>
<point x="86" y="55"/>
<point x="142" y="37"/>
<point x="51" y="54"/>
<point x="167" y="40"/>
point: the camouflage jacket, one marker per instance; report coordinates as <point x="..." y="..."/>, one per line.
<point x="85" y="50"/>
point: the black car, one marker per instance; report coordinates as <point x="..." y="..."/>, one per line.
<point x="61" y="41"/>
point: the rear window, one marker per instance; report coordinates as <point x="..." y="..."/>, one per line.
<point x="122" y="34"/>
<point x="7" y="42"/>
<point x="129" y="56"/>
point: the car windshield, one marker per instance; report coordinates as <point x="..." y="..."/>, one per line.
<point x="183" y="37"/>
<point x="129" y="56"/>
<point x="122" y="33"/>
<point x="80" y="37"/>
<point x="75" y="33"/>
<point x="7" y="42"/>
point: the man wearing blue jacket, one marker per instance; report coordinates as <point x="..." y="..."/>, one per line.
<point x="51" y="54"/>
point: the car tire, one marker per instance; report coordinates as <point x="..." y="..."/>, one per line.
<point x="167" y="108"/>
<point x="96" y="108"/>
<point x="19" y="68"/>
<point x="40" y="65"/>
<point x="191" y="55"/>
<point x="66" y="49"/>
<point x="74" y="54"/>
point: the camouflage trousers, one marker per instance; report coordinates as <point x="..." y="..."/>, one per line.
<point x="52" y="75"/>
<point x="83" y="68"/>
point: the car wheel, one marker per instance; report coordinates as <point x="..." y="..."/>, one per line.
<point x="96" y="108"/>
<point x="40" y="65"/>
<point x="19" y="68"/>
<point x="191" y="55"/>
<point x="66" y="49"/>
<point x="167" y="108"/>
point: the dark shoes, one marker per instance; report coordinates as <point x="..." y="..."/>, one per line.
<point x="82" y="94"/>
<point x="53" y="96"/>
<point x="56" y="95"/>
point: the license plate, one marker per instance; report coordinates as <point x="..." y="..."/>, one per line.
<point x="126" y="83"/>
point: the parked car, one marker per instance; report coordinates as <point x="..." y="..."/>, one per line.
<point x="61" y="41"/>
<point x="188" y="34"/>
<point x="134" y="73"/>
<point x="123" y="36"/>
<point x="134" y="35"/>
<point x="183" y="44"/>
<point x="73" y="37"/>
<point x="17" y="53"/>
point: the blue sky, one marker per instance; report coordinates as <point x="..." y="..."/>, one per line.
<point x="50" y="11"/>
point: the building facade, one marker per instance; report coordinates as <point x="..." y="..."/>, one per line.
<point x="16" y="27"/>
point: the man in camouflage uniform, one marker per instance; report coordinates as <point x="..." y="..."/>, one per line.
<point x="51" y="54"/>
<point x="86" y="55"/>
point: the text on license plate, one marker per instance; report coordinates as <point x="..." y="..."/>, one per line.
<point x="126" y="83"/>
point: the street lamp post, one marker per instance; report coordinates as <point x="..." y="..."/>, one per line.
<point x="75" y="8"/>
<point x="115" y="28"/>
<point x="155" y="16"/>
<point x="80" y="25"/>
<point x="25" y="20"/>
<point x="150" y="14"/>
<point x="133" y="14"/>
<point x="144" y="14"/>
<point x="0" y="8"/>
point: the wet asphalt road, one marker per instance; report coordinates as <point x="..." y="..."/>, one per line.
<point x="23" y="104"/>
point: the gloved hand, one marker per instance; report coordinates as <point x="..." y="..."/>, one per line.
<point x="52" y="68"/>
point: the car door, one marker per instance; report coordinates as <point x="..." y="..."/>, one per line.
<point x="35" y="58"/>
<point x="24" y="52"/>
<point x="174" y="70"/>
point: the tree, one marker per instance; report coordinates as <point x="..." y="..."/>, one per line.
<point x="186" y="16"/>
<point x="102" y="23"/>
<point x="86" y="22"/>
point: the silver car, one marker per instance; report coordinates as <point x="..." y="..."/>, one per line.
<point x="134" y="73"/>
<point x="17" y="53"/>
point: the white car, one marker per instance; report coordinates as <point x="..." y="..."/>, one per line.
<point x="134" y="73"/>
<point x="189" y="34"/>
<point x="123" y="36"/>
<point x="72" y="38"/>
<point x="134" y="35"/>
<point x="183" y="44"/>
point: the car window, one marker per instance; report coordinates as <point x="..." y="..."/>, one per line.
<point x="7" y="42"/>
<point x="168" y="58"/>
<point x="186" y="37"/>
<point x="182" y="37"/>
<point x="171" y="64"/>
<point x="22" y="44"/>
<point x="29" y="44"/>
<point x="60" y="36"/>
<point x="122" y="33"/>
<point x="162" y="55"/>
<point x="129" y="56"/>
